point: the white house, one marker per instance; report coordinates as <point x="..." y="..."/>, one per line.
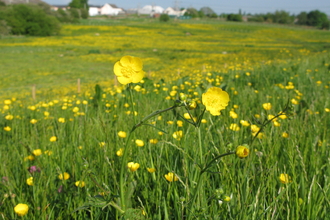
<point x="150" y="10"/>
<point x="110" y="9"/>
<point x="94" y="10"/>
<point x="171" y="12"/>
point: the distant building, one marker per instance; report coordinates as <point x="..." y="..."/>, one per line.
<point x="150" y="10"/>
<point x="174" y="13"/>
<point x="56" y="7"/>
<point x="94" y="10"/>
<point x="110" y="9"/>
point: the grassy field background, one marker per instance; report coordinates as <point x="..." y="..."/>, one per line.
<point x="169" y="50"/>
<point x="77" y="133"/>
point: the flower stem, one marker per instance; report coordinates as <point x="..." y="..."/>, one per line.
<point x="121" y="177"/>
<point x="200" y="146"/>
<point x="132" y="103"/>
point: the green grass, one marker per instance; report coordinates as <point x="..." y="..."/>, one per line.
<point x="252" y="182"/>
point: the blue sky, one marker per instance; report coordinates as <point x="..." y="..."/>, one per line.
<point x="221" y="6"/>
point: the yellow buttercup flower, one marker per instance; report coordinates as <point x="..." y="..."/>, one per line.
<point x="215" y="100"/>
<point x="151" y="170"/>
<point x="242" y="151"/>
<point x="233" y="114"/>
<point x="53" y="139"/>
<point x="133" y="166"/>
<point x="75" y="109"/>
<point x="129" y="70"/>
<point x="192" y="105"/>
<point x="234" y="127"/>
<point x="267" y="106"/>
<point x="260" y="134"/>
<point x="64" y="176"/>
<point x="29" y="181"/>
<point x="276" y="124"/>
<point x="178" y="135"/>
<point x="153" y="141"/>
<point x="139" y="143"/>
<point x="285" y="178"/>
<point x="9" y="117"/>
<point x="21" y="209"/>
<point x="171" y="177"/>
<point x="285" y="135"/>
<point x="80" y="184"/>
<point x="254" y="128"/>
<point x="244" y="123"/>
<point x="30" y="157"/>
<point x="120" y="152"/>
<point x="37" y="152"/>
<point x="7" y="128"/>
<point x="226" y="198"/>
<point x="7" y="102"/>
<point x="122" y="134"/>
<point x="61" y="120"/>
<point x="186" y="115"/>
<point x="204" y="121"/>
<point x="33" y="121"/>
<point x="294" y="101"/>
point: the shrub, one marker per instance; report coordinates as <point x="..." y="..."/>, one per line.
<point x="164" y="17"/>
<point x="84" y="13"/>
<point x="31" y="20"/>
<point x="326" y="25"/>
<point x="63" y="16"/>
<point x="4" y="28"/>
<point x="234" y="17"/>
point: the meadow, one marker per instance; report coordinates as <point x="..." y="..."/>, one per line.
<point x="150" y="149"/>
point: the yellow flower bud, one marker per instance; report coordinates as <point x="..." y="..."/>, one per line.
<point x="242" y="151"/>
<point x="171" y="177"/>
<point x="285" y="178"/>
<point x="133" y="166"/>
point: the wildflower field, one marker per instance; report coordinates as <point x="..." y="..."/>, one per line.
<point x="179" y="120"/>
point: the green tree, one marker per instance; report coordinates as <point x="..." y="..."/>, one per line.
<point x="207" y="11"/>
<point x="316" y="18"/>
<point x="79" y="9"/>
<point x="302" y="18"/>
<point x="282" y="17"/>
<point x="191" y="12"/>
<point x="75" y="4"/>
<point x="80" y="4"/>
<point x="201" y="14"/>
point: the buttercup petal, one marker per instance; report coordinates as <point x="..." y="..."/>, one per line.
<point x="136" y="64"/>
<point x="126" y="61"/>
<point x="117" y="69"/>
<point x="138" y="76"/>
<point x="124" y="80"/>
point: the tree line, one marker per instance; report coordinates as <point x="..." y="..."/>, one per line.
<point x="314" y="18"/>
<point x="40" y="20"/>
